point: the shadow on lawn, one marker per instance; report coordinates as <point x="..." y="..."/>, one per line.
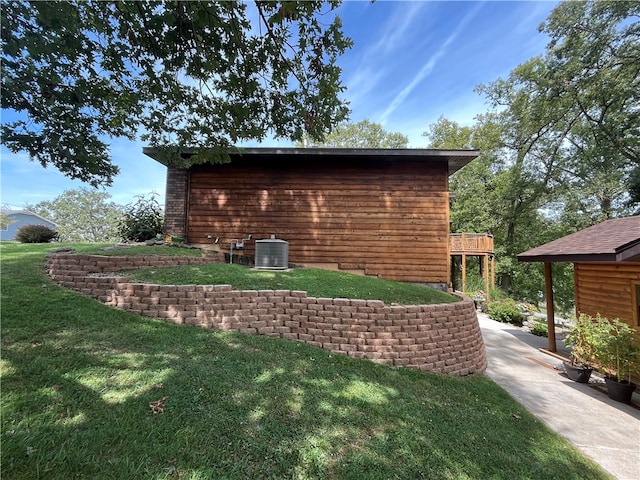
<point x="79" y="379"/>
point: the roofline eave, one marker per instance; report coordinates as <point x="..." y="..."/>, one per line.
<point x="576" y="258"/>
<point x="455" y="159"/>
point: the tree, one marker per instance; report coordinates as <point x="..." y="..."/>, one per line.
<point x="490" y="194"/>
<point x="5" y="221"/>
<point x="188" y="74"/>
<point x="364" y="134"/>
<point x="142" y="220"/>
<point x="593" y="81"/>
<point x="83" y="215"/>
<point x="558" y="146"/>
<point x="450" y="135"/>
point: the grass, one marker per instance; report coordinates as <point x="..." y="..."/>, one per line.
<point x="131" y="250"/>
<point x="318" y="283"/>
<point x="78" y="379"/>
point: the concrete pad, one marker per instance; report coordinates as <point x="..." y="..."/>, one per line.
<point x="606" y="431"/>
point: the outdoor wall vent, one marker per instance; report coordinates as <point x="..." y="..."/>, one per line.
<point x="272" y="253"/>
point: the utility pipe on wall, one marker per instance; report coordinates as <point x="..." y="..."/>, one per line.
<point x="237" y="245"/>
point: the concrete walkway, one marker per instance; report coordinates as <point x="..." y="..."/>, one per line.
<point x="606" y="431"/>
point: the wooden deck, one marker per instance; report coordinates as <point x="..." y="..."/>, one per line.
<point x="473" y="245"/>
<point x="470" y="243"/>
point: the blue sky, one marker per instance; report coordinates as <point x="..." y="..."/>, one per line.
<point x="411" y="63"/>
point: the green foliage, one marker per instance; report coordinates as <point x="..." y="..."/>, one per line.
<point x="363" y="134"/>
<point x="592" y="77"/>
<point x="317" y="283"/>
<point x="540" y="329"/>
<point x="78" y="379"/>
<point x="633" y="185"/>
<point x="141" y="220"/>
<point x="505" y="311"/>
<point x="616" y="348"/>
<point x="474" y="284"/>
<point x="35" y="234"/>
<point x="581" y="339"/>
<point x="5" y="221"/>
<point x="553" y="158"/>
<point x="448" y="134"/>
<point x="189" y="74"/>
<point x="82" y="215"/>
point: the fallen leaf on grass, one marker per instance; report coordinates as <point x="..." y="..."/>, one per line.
<point x="172" y="468"/>
<point x="157" y="406"/>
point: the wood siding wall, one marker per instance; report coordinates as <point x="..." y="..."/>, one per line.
<point x="609" y="289"/>
<point x="389" y="219"/>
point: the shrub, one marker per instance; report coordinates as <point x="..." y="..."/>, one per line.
<point x="142" y="220"/>
<point x="616" y="348"/>
<point x="36" y="234"/>
<point x="581" y="339"/>
<point x="540" y="329"/>
<point x="526" y="308"/>
<point x="505" y="311"/>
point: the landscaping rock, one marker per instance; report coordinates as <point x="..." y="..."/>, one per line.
<point x="120" y="246"/>
<point x="61" y="250"/>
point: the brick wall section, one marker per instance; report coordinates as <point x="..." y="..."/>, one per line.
<point x="175" y="216"/>
<point x="443" y="338"/>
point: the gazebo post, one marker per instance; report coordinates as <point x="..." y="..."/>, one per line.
<point x="485" y="260"/>
<point x="464" y="272"/>
<point x="551" y="321"/>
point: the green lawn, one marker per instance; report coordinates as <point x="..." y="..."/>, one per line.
<point x="317" y="283"/>
<point x="79" y="381"/>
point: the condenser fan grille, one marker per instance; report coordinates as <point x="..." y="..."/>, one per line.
<point x="272" y="254"/>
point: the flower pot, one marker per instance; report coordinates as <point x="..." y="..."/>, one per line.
<point x="619" y="391"/>
<point x="577" y="373"/>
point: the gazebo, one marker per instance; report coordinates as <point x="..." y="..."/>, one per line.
<point x="606" y="259"/>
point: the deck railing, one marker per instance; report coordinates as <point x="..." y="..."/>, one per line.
<point x="471" y="243"/>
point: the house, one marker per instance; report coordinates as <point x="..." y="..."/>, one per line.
<point x="18" y="219"/>
<point x="606" y="259"/>
<point x="379" y="212"/>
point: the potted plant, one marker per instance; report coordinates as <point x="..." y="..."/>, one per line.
<point x="580" y="340"/>
<point x="617" y="352"/>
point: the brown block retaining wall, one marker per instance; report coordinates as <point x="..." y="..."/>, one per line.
<point x="443" y="338"/>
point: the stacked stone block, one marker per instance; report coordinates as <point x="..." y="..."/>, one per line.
<point x="443" y="338"/>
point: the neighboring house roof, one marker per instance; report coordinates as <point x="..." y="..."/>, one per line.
<point x="29" y="213"/>
<point x="454" y="159"/>
<point x="615" y="240"/>
<point x="20" y="218"/>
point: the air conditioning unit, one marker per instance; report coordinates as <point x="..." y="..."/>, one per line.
<point x="272" y="253"/>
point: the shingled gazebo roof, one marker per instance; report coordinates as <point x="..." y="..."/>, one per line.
<point x="615" y="240"/>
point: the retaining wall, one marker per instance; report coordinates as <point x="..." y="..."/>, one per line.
<point x="444" y="338"/>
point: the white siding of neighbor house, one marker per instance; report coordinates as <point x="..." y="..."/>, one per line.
<point x="19" y="219"/>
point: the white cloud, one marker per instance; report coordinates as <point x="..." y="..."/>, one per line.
<point x="428" y="67"/>
<point x="378" y="47"/>
<point x="396" y="29"/>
